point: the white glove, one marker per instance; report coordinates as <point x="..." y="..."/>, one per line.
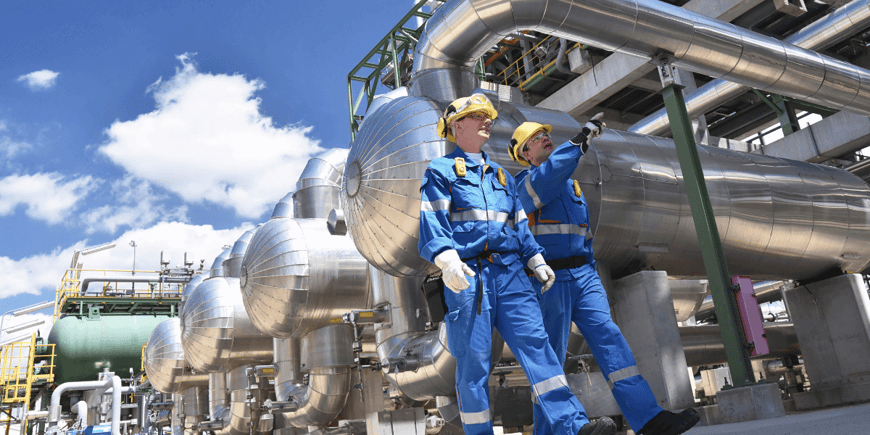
<point x="543" y="272"/>
<point x="453" y="270"/>
<point x="595" y="126"/>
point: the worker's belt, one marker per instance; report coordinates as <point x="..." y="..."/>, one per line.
<point x="568" y="262"/>
<point x="485" y="255"/>
<point x="563" y="263"/>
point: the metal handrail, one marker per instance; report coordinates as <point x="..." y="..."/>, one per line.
<point x="18" y="371"/>
<point x="71" y="286"/>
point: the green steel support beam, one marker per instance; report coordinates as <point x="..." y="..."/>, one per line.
<point x="389" y="51"/>
<point x="787" y="117"/>
<point x="708" y="237"/>
<point x="784" y="111"/>
<point x="353" y="125"/>
<point x="395" y="56"/>
<point x="813" y="108"/>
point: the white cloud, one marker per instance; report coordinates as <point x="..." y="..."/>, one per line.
<point x="138" y="206"/>
<point x="40" y="80"/>
<point x="49" y="197"/>
<point x="10" y="147"/>
<point x="207" y="141"/>
<point x="41" y="274"/>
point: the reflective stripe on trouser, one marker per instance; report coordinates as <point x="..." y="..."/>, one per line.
<point x="584" y="302"/>
<point x="510" y="306"/>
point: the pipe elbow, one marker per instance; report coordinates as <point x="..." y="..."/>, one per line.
<point x="322" y="400"/>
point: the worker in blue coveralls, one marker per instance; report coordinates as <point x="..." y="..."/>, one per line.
<point x="559" y="221"/>
<point x="473" y="228"/>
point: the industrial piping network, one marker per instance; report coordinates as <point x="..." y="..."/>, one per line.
<point x="821" y="34"/>
<point x="803" y="219"/>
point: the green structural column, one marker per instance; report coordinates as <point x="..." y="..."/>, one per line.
<point x="708" y="238"/>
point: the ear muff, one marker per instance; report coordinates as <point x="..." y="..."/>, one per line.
<point x="514" y="153"/>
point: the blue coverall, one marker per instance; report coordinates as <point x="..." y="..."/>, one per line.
<point x="475" y="214"/>
<point x="560" y="224"/>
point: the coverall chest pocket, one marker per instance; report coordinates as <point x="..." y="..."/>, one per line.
<point x="578" y="212"/>
<point x="501" y="197"/>
<point x="466" y="193"/>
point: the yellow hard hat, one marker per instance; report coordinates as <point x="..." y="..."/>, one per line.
<point x="461" y="108"/>
<point x="523" y="133"/>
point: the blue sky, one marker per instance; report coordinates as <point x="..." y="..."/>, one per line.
<point x="177" y="124"/>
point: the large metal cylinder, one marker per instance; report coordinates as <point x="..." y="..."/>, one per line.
<point x="777" y="218"/>
<point x="297" y="276"/>
<point x="387" y="160"/>
<point x="165" y="365"/>
<point x="85" y="346"/>
<point x="216" y="332"/>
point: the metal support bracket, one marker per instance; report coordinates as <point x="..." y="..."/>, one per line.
<point x="708" y="234"/>
<point x="784" y="111"/>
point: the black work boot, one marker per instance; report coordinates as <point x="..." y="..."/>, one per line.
<point x="601" y="426"/>
<point x="669" y="423"/>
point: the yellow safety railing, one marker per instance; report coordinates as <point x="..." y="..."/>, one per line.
<point x="144" y="375"/>
<point x="18" y="369"/>
<point x="71" y="286"/>
<point x="513" y="74"/>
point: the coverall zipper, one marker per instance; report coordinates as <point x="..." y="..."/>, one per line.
<point x="479" y="263"/>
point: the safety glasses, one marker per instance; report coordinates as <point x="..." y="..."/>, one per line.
<point x="477" y="116"/>
<point x="536" y="139"/>
<point x="474" y="99"/>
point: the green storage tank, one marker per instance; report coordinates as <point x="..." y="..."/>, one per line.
<point x="87" y="345"/>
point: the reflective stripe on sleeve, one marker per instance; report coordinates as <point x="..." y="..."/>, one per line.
<point x="535" y="200"/>
<point x="479" y="215"/>
<point x="475" y="417"/>
<point x="545" y="229"/>
<point x="622" y="374"/>
<point x="439" y="205"/>
<point x="521" y="216"/>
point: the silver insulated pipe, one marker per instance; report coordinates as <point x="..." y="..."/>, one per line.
<point x="167" y="369"/>
<point x="232" y="266"/>
<point x="216" y="331"/>
<point x="327" y="357"/>
<point x="415" y="361"/>
<point x="778" y="219"/>
<point x="195" y="406"/>
<point x="319" y="187"/>
<point x="219" y="405"/>
<point x="821" y="34"/>
<point x="217" y="266"/>
<point x="299" y="274"/>
<point x="461" y="31"/>
<point x="242" y="400"/>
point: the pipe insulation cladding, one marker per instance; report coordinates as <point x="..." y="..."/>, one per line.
<point x="778" y="219"/>
<point x="165" y="364"/>
<point x="460" y="32"/>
